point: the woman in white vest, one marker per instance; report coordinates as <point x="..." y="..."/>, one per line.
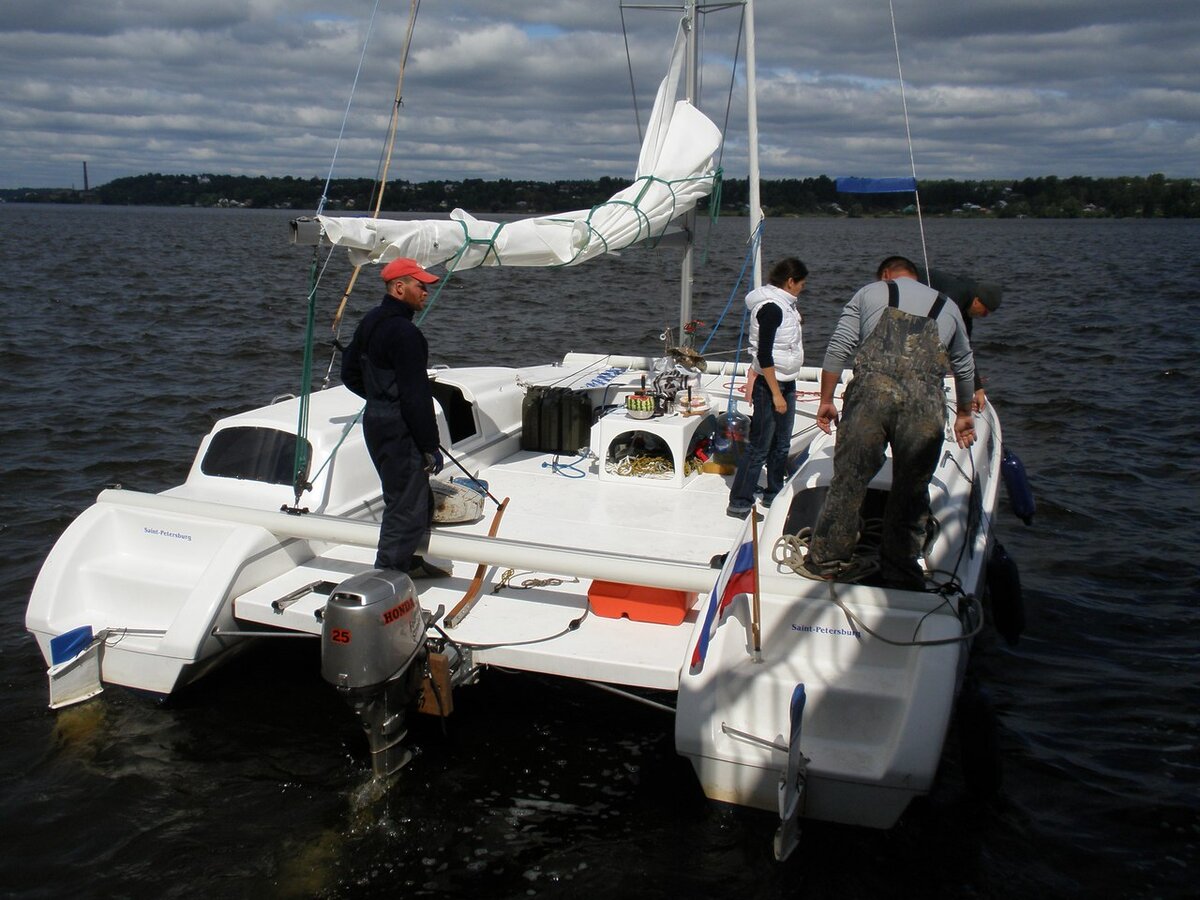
<point x="776" y="355"/>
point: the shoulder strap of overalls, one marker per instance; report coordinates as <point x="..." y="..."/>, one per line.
<point x="936" y="309"/>
<point x="894" y="301"/>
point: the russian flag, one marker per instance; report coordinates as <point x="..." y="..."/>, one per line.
<point x="737" y="577"/>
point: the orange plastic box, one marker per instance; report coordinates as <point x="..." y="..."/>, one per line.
<point x="641" y="604"/>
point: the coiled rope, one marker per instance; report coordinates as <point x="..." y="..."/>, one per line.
<point x="528" y="583"/>
<point x="791" y="549"/>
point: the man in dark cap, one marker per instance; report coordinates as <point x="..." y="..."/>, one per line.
<point x="975" y="300"/>
<point x="386" y="363"/>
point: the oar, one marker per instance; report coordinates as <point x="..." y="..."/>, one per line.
<point x="468" y="601"/>
<point x="450" y="456"/>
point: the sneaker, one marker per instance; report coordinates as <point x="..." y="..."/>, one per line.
<point x="738" y="512"/>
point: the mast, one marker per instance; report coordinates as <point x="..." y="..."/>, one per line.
<point x="690" y="13"/>
<point x="756" y="214"/>
<point x="689" y="219"/>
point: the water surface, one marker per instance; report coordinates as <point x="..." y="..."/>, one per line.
<point x="129" y="331"/>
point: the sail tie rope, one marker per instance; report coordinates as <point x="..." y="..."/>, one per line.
<point x="345" y="433"/>
<point x="490" y="242"/>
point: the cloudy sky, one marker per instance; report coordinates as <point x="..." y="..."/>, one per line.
<point x="541" y="89"/>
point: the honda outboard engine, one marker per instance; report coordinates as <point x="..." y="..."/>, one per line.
<point x="372" y="632"/>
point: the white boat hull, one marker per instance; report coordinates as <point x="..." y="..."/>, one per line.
<point x="182" y="579"/>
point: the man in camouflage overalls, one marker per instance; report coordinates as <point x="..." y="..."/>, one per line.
<point x="903" y="337"/>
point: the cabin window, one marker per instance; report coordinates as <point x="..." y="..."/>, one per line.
<point x="255" y="454"/>
<point x="460" y="414"/>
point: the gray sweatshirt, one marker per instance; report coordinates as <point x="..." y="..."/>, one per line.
<point x="864" y="310"/>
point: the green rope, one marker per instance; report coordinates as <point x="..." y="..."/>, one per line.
<point x="345" y="434"/>
<point x="450" y="267"/>
<point x="714" y="211"/>
<point x="300" y="461"/>
<point x="644" y="231"/>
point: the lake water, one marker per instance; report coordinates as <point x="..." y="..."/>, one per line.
<point x="127" y="332"/>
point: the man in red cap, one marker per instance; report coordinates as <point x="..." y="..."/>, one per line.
<point x="386" y="363"/>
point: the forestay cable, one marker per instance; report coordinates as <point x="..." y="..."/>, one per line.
<point x="346" y="115"/>
<point x="393" y="124"/>
<point x="908" y="133"/>
<point x="300" y="464"/>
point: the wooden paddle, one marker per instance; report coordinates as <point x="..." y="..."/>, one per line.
<point x="473" y="590"/>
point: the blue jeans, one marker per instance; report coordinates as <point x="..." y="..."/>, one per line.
<point x="769" y="442"/>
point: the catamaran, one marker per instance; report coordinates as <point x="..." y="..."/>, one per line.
<point x="812" y="699"/>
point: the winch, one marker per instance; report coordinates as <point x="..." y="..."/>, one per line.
<point x="373" y="631"/>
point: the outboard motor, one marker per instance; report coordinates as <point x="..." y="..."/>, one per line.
<point x="372" y="633"/>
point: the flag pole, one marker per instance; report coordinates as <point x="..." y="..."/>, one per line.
<point x="756" y="613"/>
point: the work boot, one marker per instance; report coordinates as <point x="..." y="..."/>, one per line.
<point x="850" y="572"/>
<point x="423" y="568"/>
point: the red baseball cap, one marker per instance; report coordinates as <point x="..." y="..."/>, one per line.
<point x="398" y="268"/>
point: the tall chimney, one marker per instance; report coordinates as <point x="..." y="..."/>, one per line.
<point x="85" y="181"/>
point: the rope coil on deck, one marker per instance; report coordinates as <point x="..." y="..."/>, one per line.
<point x="791" y="550"/>
<point x="508" y="574"/>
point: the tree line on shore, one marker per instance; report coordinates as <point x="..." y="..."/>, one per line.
<point x="1153" y="196"/>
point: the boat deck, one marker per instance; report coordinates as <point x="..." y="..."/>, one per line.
<point x="526" y="621"/>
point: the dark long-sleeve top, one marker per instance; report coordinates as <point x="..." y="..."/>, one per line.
<point x="392" y="341"/>
<point x="770" y="317"/>
<point x="962" y="291"/>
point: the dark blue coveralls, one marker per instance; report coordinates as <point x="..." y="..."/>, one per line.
<point x="896" y="397"/>
<point x="386" y="363"/>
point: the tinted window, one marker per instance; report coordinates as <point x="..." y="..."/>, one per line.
<point x="460" y="416"/>
<point x="258" y="454"/>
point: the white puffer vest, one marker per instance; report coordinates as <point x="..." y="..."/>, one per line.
<point x="788" y="349"/>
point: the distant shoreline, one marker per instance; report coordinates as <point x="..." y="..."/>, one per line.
<point x="1153" y="196"/>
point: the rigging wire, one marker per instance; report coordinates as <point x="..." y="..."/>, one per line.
<point x="637" y="116"/>
<point x="908" y="132"/>
<point x="346" y="115"/>
<point x="301" y="460"/>
<point x="751" y="253"/>
<point x="737" y="52"/>
<point x="381" y="179"/>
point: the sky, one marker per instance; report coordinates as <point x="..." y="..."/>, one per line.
<point x="541" y="89"/>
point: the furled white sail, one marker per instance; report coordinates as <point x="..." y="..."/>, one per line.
<point x="675" y="170"/>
